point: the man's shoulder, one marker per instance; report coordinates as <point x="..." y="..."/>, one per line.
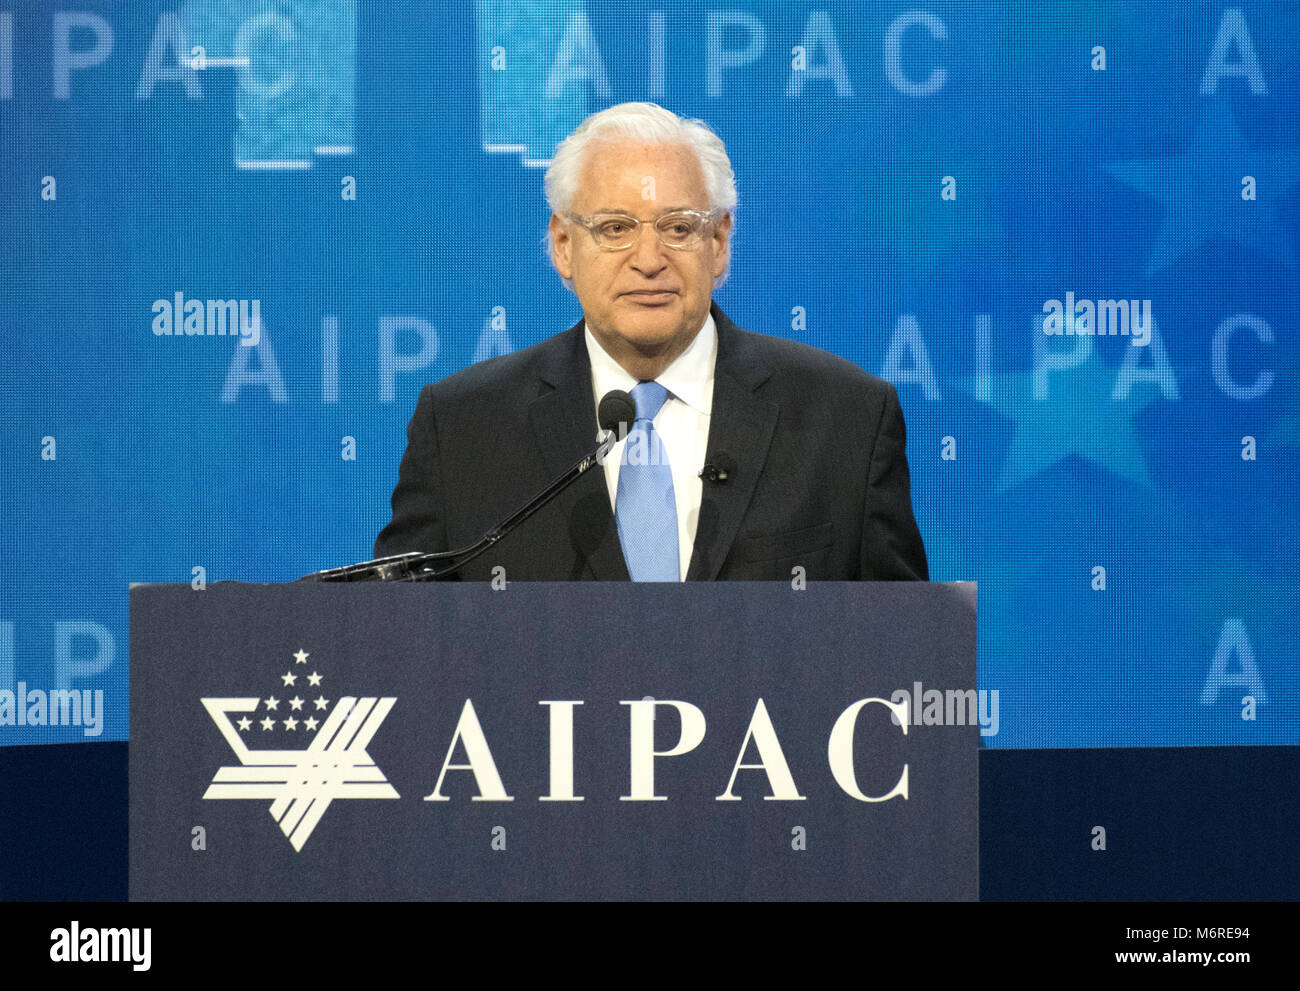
<point x="504" y="375"/>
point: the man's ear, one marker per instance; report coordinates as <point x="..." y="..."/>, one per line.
<point x="561" y="245"/>
<point x="721" y="245"/>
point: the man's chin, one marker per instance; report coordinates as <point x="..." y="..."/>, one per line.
<point x="650" y="328"/>
<point x="653" y="339"/>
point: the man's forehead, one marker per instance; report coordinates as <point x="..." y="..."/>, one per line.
<point x="650" y="171"/>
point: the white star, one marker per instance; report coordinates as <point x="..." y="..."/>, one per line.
<point x="245" y="723"/>
<point x="288" y="678"/>
<point x="291" y="723"/>
<point x="272" y="702"/>
<point x="295" y="702"/>
<point x="301" y="656"/>
<point x="311" y="724"/>
<point x="1082" y="419"/>
<point x="267" y="723"/>
<point x="322" y="702"/>
<point x="313" y="678"/>
<point x="1200" y="190"/>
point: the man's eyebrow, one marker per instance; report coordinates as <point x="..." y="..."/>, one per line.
<point x="629" y="213"/>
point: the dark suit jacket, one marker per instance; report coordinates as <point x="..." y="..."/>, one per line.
<point x="820" y="480"/>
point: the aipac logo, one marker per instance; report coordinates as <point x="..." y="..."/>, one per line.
<point x="300" y="782"/>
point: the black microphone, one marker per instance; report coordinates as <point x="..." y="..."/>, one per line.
<point x="616" y="414"/>
<point x="719" y="468"/>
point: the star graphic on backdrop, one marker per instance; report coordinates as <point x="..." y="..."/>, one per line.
<point x="291" y="723"/>
<point x="1200" y="188"/>
<point x="288" y="678"/>
<point x="1078" y="417"/>
<point x="311" y="724"/>
<point x="313" y="678"/>
<point x="267" y="723"/>
<point x="322" y="702"/>
<point x="245" y="723"/>
<point x="295" y="703"/>
<point x="301" y="656"/>
<point x="273" y="703"/>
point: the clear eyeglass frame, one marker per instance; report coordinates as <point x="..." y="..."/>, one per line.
<point x="680" y="230"/>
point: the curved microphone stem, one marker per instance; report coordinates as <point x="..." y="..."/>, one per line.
<point x="416" y="566"/>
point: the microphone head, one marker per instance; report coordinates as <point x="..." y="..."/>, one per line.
<point x="719" y="468"/>
<point x="617" y="412"/>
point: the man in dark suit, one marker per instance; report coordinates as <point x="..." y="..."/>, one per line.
<point x="816" y="479"/>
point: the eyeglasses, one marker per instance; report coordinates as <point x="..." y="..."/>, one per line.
<point x="681" y="229"/>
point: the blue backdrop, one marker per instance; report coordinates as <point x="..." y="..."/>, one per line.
<point x="917" y="184"/>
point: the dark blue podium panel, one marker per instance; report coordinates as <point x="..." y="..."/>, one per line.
<point x="554" y="741"/>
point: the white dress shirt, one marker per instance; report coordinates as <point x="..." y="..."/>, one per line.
<point x="682" y="424"/>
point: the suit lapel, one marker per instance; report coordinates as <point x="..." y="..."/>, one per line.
<point x="741" y="425"/>
<point x="563" y="422"/>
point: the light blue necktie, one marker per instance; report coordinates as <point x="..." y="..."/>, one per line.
<point x="646" y="506"/>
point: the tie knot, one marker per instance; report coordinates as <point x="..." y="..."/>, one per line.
<point x="649" y="398"/>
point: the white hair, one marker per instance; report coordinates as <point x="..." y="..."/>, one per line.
<point x="645" y="123"/>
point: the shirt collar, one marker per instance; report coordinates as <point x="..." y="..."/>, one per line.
<point x="689" y="378"/>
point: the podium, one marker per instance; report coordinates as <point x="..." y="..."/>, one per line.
<point x="554" y="741"/>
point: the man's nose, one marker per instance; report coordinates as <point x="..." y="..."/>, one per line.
<point x="648" y="252"/>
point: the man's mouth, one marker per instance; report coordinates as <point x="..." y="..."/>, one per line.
<point x="651" y="297"/>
